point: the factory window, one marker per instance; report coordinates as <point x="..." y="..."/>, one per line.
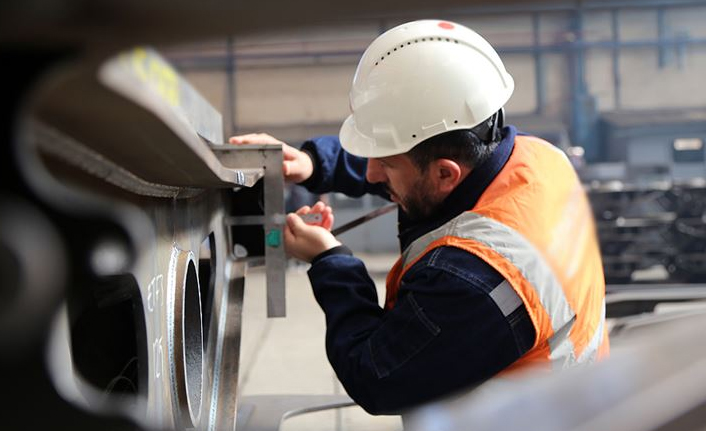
<point x="688" y="150"/>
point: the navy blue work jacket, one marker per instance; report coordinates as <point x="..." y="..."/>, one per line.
<point x="444" y="333"/>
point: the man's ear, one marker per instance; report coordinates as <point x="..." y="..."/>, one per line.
<point x="448" y="174"/>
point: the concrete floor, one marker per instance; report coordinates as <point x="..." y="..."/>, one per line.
<point x="286" y="356"/>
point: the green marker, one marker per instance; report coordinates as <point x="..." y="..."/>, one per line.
<point x="273" y="238"/>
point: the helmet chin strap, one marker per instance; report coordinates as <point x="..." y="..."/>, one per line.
<point x="498" y="124"/>
<point x="490" y="130"/>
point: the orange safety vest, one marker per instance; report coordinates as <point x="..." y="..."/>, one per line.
<point x="534" y="225"/>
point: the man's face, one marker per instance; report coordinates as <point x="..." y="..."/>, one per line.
<point x="408" y="186"/>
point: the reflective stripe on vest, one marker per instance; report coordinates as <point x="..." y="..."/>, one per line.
<point x="528" y="248"/>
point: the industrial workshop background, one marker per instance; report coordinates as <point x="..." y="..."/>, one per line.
<point x="128" y="227"/>
<point x="623" y="82"/>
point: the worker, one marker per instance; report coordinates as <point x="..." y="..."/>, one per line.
<point x="500" y="267"/>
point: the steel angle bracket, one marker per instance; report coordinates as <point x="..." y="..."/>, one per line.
<point x="270" y="215"/>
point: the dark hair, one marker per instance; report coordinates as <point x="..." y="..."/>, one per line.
<point x="470" y="147"/>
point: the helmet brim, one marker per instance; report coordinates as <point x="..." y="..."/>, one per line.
<point x="358" y="144"/>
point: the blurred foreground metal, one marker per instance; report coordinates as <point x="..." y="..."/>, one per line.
<point x="654" y="380"/>
<point x="122" y="285"/>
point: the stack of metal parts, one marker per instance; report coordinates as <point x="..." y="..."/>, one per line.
<point x="651" y="232"/>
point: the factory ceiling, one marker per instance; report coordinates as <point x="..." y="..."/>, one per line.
<point x="104" y="25"/>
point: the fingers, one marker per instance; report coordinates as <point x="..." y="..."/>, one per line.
<point x="326" y="220"/>
<point x="288" y="234"/>
<point x="290" y="153"/>
<point x="296" y="165"/>
<point x="295" y="223"/>
<point x="318" y="207"/>
<point x="294" y="242"/>
<point x="304" y="241"/>
<point x="326" y="215"/>
<point x="288" y="167"/>
<point x="303" y="210"/>
<point x="254" y="138"/>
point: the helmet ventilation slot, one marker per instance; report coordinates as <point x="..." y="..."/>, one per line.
<point x="424" y="39"/>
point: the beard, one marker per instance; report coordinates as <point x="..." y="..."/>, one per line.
<point x="421" y="202"/>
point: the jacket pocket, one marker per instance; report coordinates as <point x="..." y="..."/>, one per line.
<point x="404" y="333"/>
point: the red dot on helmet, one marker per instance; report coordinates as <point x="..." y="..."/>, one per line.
<point x="446" y="25"/>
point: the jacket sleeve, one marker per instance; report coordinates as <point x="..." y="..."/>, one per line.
<point x="444" y="333"/>
<point x="335" y="170"/>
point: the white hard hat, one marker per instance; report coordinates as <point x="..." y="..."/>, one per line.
<point x="418" y="80"/>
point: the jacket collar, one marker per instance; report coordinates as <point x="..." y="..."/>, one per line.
<point x="465" y="195"/>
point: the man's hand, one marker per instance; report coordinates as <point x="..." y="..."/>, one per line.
<point x="306" y="241"/>
<point x="319" y="208"/>
<point x="296" y="166"/>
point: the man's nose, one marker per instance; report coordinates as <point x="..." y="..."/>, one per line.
<point x="374" y="174"/>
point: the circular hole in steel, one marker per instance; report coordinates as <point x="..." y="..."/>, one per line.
<point x="192" y="340"/>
